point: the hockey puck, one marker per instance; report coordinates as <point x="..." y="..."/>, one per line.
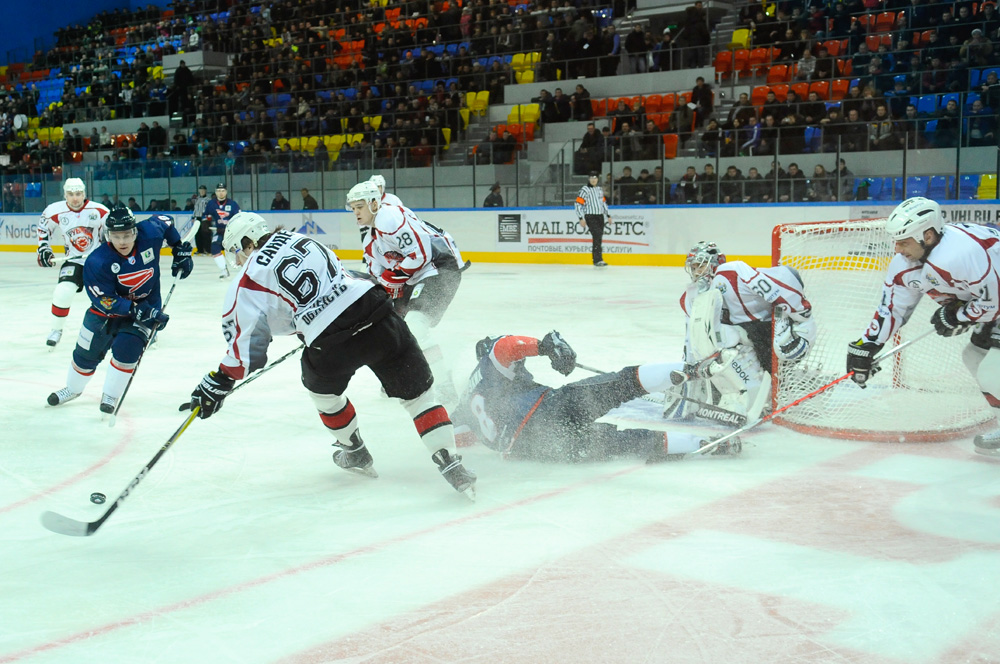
<point x="98" y="498"/>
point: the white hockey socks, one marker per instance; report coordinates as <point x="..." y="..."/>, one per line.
<point x="432" y="422"/>
<point x="77" y="378"/>
<point x="420" y="327"/>
<point x="117" y="378"/>
<point x="675" y="442"/>
<point x="656" y="377"/>
<point x="220" y="261"/>
<point x="338" y="416"/>
<point x="62" y="297"/>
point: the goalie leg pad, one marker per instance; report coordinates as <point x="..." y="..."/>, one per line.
<point x="988" y="376"/>
<point x="739" y="370"/>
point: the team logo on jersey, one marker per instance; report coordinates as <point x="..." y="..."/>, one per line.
<point x="93" y="216"/>
<point x="107" y="302"/>
<point x="147" y="255"/>
<point x="80" y="238"/>
<point x="115" y="268"/>
<point x="135" y="280"/>
<point x="914" y="283"/>
<point x="932" y="281"/>
<point x="131" y="260"/>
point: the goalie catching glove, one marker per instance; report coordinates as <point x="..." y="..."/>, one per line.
<point x="182" y="264"/>
<point x="210" y="393"/>
<point x="859" y="360"/>
<point x="561" y="355"/>
<point x="946" y="322"/>
<point x="45" y="256"/>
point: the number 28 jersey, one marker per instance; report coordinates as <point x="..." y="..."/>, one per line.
<point x="290" y="285"/>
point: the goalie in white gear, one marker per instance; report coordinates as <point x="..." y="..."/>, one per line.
<point x="81" y="223"/>
<point x="418" y="264"/>
<point x="957" y="266"/>
<point x="737" y="316"/>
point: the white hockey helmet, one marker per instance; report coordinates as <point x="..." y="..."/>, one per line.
<point x="379" y="182"/>
<point x="74" y="184"/>
<point x="912" y="217"/>
<point x="243" y="225"/>
<point x="702" y="254"/>
<point x="363" y="191"/>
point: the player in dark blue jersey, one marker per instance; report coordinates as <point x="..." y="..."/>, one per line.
<point x="509" y="412"/>
<point x="122" y="279"/>
<point x="218" y="212"/>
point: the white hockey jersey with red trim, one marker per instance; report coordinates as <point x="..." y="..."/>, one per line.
<point x="391" y="200"/>
<point x="82" y="230"/>
<point x="964" y="265"/>
<point x="400" y="241"/>
<point x="291" y="285"/>
<point x="751" y="294"/>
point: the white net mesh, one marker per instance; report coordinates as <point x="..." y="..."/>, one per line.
<point x="922" y="393"/>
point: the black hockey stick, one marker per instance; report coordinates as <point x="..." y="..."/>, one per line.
<point x="715" y="443"/>
<point x="63" y="525"/>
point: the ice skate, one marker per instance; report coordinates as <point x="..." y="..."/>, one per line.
<point x="224" y="275"/>
<point x="108" y="404"/>
<point x="460" y="477"/>
<point x="62" y="396"/>
<point x="356" y="459"/>
<point x="730" y="447"/>
<point x="53" y="338"/>
<point x="988" y="444"/>
<point x="600" y="264"/>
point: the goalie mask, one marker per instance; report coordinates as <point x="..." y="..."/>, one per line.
<point x="702" y="261"/>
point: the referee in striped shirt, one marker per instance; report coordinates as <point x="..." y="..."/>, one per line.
<point x="591" y="209"/>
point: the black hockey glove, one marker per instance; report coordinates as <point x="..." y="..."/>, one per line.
<point x="859" y="360"/>
<point x="45" y="256"/>
<point x="148" y="316"/>
<point x="561" y="355"/>
<point x="946" y="322"/>
<point x="182" y="264"/>
<point x="210" y="393"/>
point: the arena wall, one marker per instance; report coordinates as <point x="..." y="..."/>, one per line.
<point x="635" y="235"/>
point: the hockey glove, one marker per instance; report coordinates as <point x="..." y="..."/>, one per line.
<point x="182" y="264"/>
<point x="946" y="322"/>
<point x="393" y="281"/>
<point x="45" y="256"/>
<point x="789" y="344"/>
<point x="561" y="355"/>
<point x="210" y="393"/>
<point x="149" y="317"/>
<point x="859" y="360"/>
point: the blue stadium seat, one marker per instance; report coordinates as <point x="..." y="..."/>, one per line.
<point x="33" y="190"/>
<point x="916" y="185"/>
<point x="939" y="188"/>
<point x="951" y="96"/>
<point x="930" y="129"/>
<point x="813" y="139"/>
<point x="351" y="93"/>
<point x="874" y="187"/>
<point x="927" y="105"/>
<point x="284" y="100"/>
<point x="881" y="189"/>
<point x="970" y="98"/>
<point x="968" y="187"/>
<point x="325" y="95"/>
<point x="975" y="75"/>
<point x="142" y="152"/>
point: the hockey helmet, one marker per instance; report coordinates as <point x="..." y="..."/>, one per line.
<point x="243" y="225"/>
<point x="484" y="346"/>
<point x="379" y="181"/>
<point x="363" y="191"/>
<point x="120" y="218"/>
<point x="912" y="217"/>
<point x="74" y="184"/>
<point x="702" y="254"/>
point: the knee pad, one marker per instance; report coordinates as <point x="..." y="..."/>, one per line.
<point x="62" y="297"/>
<point x="127" y="348"/>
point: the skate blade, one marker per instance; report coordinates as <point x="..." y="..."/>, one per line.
<point x="470" y="493"/>
<point x="364" y="472"/>
<point x="987" y="452"/>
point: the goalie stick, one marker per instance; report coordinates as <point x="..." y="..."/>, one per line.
<point x="63" y="525"/>
<point x="718" y="441"/>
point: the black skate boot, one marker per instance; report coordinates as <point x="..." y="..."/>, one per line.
<point x="356" y="459"/>
<point x="460" y="477"/>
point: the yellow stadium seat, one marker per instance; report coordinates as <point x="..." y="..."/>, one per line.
<point x="481" y="102"/>
<point x="310" y="143"/>
<point x="282" y="142"/>
<point x="517" y="63"/>
<point x="44" y="134"/>
<point x="464" y="114"/>
<point x="293" y="143"/>
<point x="741" y="39"/>
<point x="33" y="123"/>
<point x="526" y="76"/>
<point x="534" y="58"/>
<point x="57" y="134"/>
<point x="446" y="132"/>
<point x="375" y="121"/>
<point x="531" y="112"/>
<point x="987" y="187"/>
<point x="356" y="138"/>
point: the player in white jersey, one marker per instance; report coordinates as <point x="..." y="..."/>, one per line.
<point x="387" y="198"/>
<point x="418" y="265"/>
<point x="730" y="335"/>
<point x="291" y="284"/>
<point x="957" y="266"/>
<point x="81" y="223"/>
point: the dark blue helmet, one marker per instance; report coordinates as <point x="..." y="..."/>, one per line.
<point x="120" y="219"/>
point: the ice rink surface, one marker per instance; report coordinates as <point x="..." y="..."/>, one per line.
<point x="246" y="544"/>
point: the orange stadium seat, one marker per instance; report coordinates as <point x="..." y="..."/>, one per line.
<point x="652" y="103"/>
<point x="777" y="74"/>
<point x="670" y="143"/>
<point x="839" y="88"/>
<point x="780" y="91"/>
<point x="822" y="88"/>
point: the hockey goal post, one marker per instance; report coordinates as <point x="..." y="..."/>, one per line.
<point x="925" y="395"/>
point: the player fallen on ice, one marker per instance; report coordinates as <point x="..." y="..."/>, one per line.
<point x="290" y="284"/>
<point x="505" y="409"/>
<point x="957" y="266"/>
<point x="417" y="264"/>
<point x="81" y="224"/>
<point x="727" y="351"/>
<point x="122" y="279"/>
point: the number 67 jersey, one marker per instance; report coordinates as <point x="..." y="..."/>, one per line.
<point x="291" y="284"/>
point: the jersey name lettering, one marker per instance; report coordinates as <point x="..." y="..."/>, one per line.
<point x="268" y="251"/>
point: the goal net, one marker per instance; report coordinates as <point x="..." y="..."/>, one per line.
<point x="923" y="393"/>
